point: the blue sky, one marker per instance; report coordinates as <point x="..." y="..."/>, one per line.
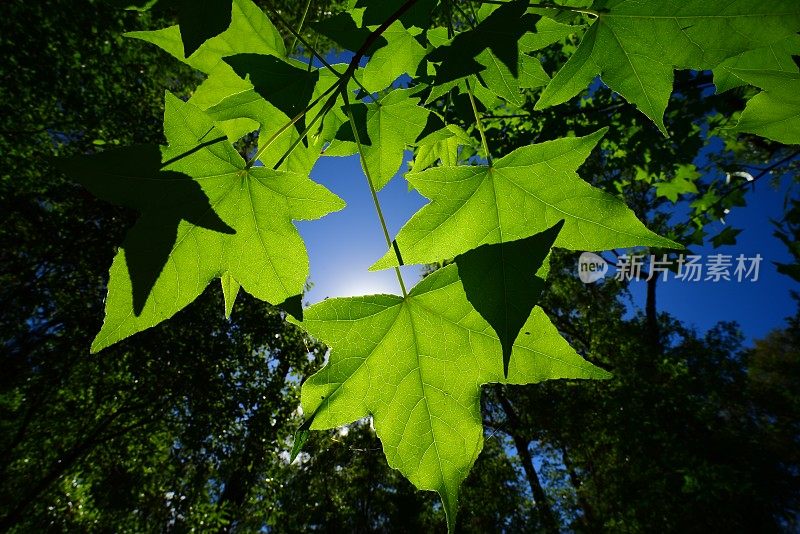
<point x="345" y="244"/>
<point x="757" y="306"/>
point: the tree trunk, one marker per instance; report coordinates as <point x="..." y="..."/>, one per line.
<point x="589" y="518"/>
<point x="651" y="314"/>
<point x="549" y="521"/>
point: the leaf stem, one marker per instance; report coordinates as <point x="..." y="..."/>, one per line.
<point x="302" y="40"/>
<point x="322" y="112"/>
<point x="375" y="200"/>
<point x="300" y="26"/>
<point x="478" y="122"/>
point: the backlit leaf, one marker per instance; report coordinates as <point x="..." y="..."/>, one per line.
<point x="205" y="215"/>
<point x="775" y="112"/>
<point x="416" y="365"/>
<point x="634" y="46"/>
<point x="524" y="193"/>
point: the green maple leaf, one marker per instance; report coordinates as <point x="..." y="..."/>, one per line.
<point x="386" y="127"/>
<point x="401" y="55"/>
<point x="777" y="56"/>
<point x="204" y="215"/>
<point x="635" y="45"/>
<point x="504" y="281"/>
<point x="198" y="21"/>
<point x="250" y="31"/>
<point x="523" y="193"/>
<point x="775" y="112"/>
<point x="471" y="54"/>
<point x="416" y="365"/>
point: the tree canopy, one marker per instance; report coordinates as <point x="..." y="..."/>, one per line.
<point x="192" y="423"/>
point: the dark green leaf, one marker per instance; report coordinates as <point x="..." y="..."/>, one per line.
<point x="503" y="283"/>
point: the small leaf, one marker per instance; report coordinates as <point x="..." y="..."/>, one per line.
<point x="725" y="237"/>
<point x="392" y="123"/>
<point x="682" y="183"/>
<point x="547" y="32"/>
<point x="300" y="439"/>
<point x="401" y="55"/>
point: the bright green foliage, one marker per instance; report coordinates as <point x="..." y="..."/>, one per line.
<point x="401" y="55"/>
<point x="775" y="112"/>
<point x="230" y="289"/>
<point x="635" y="46"/>
<point x="198" y="21"/>
<point x="204" y="215"/>
<point x="416" y="365"/>
<point x="547" y="32"/>
<point x="523" y="193"/>
<point x="503" y="283"/>
<point x="776" y="56"/>
<point x="283" y="85"/>
<point x="441" y="145"/>
<point x="250" y="31"/>
<point x="391" y="123"/>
